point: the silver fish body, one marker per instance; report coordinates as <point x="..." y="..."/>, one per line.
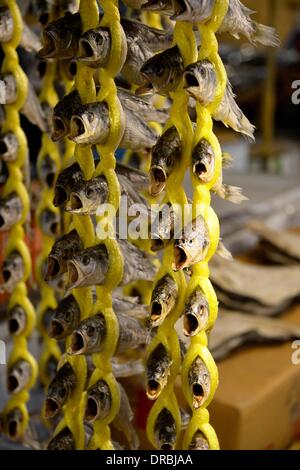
<point x="157" y="371"/>
<point x="65" y="319"/>
<point x="200" y="81"/>
<point x="163" y="300"/>
<point x="59" y="390"/>
<point x="10" y="211"/>
<point x="193" y="244"/>
<point x="165" y="155"/>
<point x="62" y="250"/>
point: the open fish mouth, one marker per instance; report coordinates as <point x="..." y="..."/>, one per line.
<point x="14" y="428"/>
<point x="53" y="268"/>
<point x="52" y="407"/>
<point x="49" y="50"/>
<point x="6" y="274"/>
<point x="3" y="222"/>
<point x="191" y="325"/>
<point x="56" y="329"/>
<point x="60" y="196"/>
<point x="190" y="80"/>
<point x="158" y="180"/>
<point x="73" y="275"/>
<point x="92" y="410"/>
<point x="156" y="311"/>
<point x="180" y="258"/>
<point x="13" y="383"/>
<point x="78" y="344"/>
<point x="198" y="395"/>
<point x="15" y="326"/>
<point x="153" y="389"/>
<point x="74" y="204"/>
<point x="60" y="129"/>
<point x="77" y="129"/>
<point x="86" y="52"/>
<point x="199" y="170"/>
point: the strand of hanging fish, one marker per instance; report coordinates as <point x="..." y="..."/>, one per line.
<point x="205" y="81"/>
<point x="15" y="213"/>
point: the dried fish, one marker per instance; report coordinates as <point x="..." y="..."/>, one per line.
<point x="50" y="222"/>
<point x="165" y="430"/>
<point x="193" y="244"/>
<point x="90" y="266"/>
<point x="59" y="390"/>
<point x="61" y="37"/>
<point x="65" y="319"/>
<point x="62" y="114"/>
<point x="162" y="72"/>
<point x="199" y="382"/>
<point x="157" y="371"/>
<point x="12" y="422"/>
<point x="196" y="313"/>
<point x="163" y="300"/>
<point x="162" y="228"/>
<point x="166" y="155"/>
<point x="237" y="20"/>
<point x="200" y="81"/>
<point x="63" y="250"/>
<point x="199" y="442"/>
<point x="19" y="375"/>
<point x="89" y="337"/>
<point x="12" y="271"/>
<point x="16" y="317"/>
<point x="9" y="147"/>
<point x="65" y="183"/>
<point x="64" y="440"/>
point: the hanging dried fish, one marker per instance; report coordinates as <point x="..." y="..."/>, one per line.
<point x="12" y="271"/>
<point x="62" y="250"/>
<point x="59" y="390"/>
<point x="10" y="211"/>
<point x="196" y="313"/>
<point x="157" y="371"/>
<point x="163" y="300"/>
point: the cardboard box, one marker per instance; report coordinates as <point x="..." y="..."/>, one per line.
<point x="257" y="404"/>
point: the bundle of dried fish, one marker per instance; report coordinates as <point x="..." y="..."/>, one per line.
<point x="261" y="290"/>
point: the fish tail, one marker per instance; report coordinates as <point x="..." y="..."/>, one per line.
<point x="231" y="193"/>
<point x="265" y="35"/>
<point x="226" y="159"/>
<point x="223" y="251"/>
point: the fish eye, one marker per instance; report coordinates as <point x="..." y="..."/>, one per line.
<point x="90" y="330"/>
<point x="89" y="193"/>
<point x="86" y="260"/>
<point x="90" y="116"/>
<point x="203" y="72"/>
<point x="99" y="39"/>
<point x="158" y="69"/>
<point x="62" y="392"/>
<point x="190" y="242"/>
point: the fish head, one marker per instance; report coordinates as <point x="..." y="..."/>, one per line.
<point x="62" y="441"/>
<point x="99" y="401"/>
<point x="65" y="319"/>
<point x="18" y="376"/>
<point x="203" y="161"/>
<point x="163" y="299"/>
<point x="12" y="424"/>
<point x="199" y="381"/>
<point x="199" y="80"/>
<point x="6" y="24"/>
<point x="193" y="245"/>
<point x="162" y="228"/>
<point x="90" y="124"/>
<point x="50" y="222"/>
<point x="10" y="211"/>
<point x="161" y="72"/>
<point x="158" y="371"/>
<point x="88" y="336"/>
<point x="88" y="196"/>
<point x="192" y="10"/>
<point x="88" y="267"/>
<point x="165" y="430"/>
<point x="16" y="320"/>
<point x="60" y="37"/>
<point x="199" y="441"/>
<point x="62" y="250"/>
<point x="9" y="146"/>
<point x="12" y="271"/>
<point x="65" y="183"/>
<point x="59" y="390"/>
<point x="196" y="313"/>
<point x="94" y="47"/>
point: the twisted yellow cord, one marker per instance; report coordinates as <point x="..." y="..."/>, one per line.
<point x="201" y="206"/>
<point x="16" y="237"/>
<point x="50" y="347"/>
<point x="106" y="167"/>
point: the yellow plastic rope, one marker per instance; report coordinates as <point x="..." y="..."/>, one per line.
<point x="201" y="206"/>
<point x="16" y="237"/>
<point x="84" y="82"/>
<point x="108" y="93"/>
<point x="50" y="347"/>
